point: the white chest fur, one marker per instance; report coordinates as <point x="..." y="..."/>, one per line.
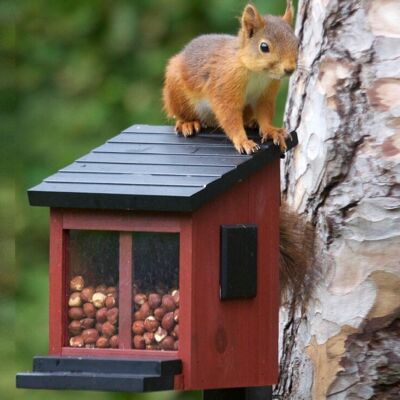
<point x="256" y="86"/>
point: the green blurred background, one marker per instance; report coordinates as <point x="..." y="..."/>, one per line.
<point x="75" y="74"/>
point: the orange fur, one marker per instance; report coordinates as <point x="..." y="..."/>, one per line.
<point x="227" y="81"/>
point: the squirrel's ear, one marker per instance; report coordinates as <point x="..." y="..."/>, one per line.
<point x="251" y="20"/>
<point x="289" y="12"/>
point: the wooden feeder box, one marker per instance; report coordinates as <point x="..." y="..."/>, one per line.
<point x="163" y="265"/>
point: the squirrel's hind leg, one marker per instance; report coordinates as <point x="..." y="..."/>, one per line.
<point x="177" y="102"/>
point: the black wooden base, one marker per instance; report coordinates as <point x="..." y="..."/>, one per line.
<point x="117" y="375"/>
<point x="251" y="393"/>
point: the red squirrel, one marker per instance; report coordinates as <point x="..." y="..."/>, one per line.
<point x="233" y="81"/>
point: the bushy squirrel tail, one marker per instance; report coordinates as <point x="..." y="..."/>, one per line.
<point x="297" y="247"/>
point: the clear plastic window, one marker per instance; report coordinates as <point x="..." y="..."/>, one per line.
<point x="93" y="290"/>
<point x="93" y="260"/>
<point x="155" y="291"/>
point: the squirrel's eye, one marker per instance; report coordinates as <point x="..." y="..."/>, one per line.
<point x="264" y="47"/>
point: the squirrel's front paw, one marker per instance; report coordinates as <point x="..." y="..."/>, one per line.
<point x="246" y="146"/>
<point x="187" y="128"/>
<point x="278" y="136"/>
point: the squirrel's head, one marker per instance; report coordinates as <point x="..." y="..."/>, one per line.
<point x="268" y="43"/>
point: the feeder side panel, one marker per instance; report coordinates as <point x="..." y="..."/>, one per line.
<point x="217" y="339"/>
<point x="234" y="342"/>
<point x="264" y="202"/>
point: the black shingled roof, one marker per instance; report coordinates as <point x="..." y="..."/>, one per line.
<point x="151" y="168"/>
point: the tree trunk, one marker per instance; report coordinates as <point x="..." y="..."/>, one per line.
<point x="344" y="103"/>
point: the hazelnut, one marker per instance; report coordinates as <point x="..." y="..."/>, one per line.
<point x="90" y="336"/>
<point x="77" y="283"/>
<point x="168" y="322"/>
<point x="175" y="296"/>
<point x="138" y="342"/>
<point x="153" y="346"/>
<point x="140" y="299"/>
<point x="75" y="313"/>
<point x="75" y="299"/>
<point x="89" y="310"/>
<point x="151" y="324"/>
<point x="74" y="328"/>
<point x="102" y="343"/>
<point x="138" y="327"/>
<point x="145" y="311"/>
<point x="159" y="313"/>
<point x="160" y="334"/>
<point x="154" y="300"/>
<point x="87" y="323"/>
<point x="99" y="327"/>
<point x="167" y="343"/>
<point x="148" y="338"/>
<point x="101" y="315"/>
<point x="114" y="342"/>
<point x="108" y="329"/>
<point x="176" y="345"/>
<point x="98" y="299"/>
<point x="112" y="290"/>
<point x="175" y="332"/>
<point x="110" y="301"/>
<point x="168" y="302"/>
<point x="87" y="294"/>
<point x="112" y="315"/>
<point x="76" y="341"/>
<point x="176" y="315"/>
<point x="101" y="289"/>
<point x="137" y="315"/>
<point x="90" y="346"/>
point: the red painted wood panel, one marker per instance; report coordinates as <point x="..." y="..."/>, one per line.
<point x="121" y="221"/>
<point x="234" y="342"/>
<point x="264" y="202"/>
<point x="57" y="284"/>
<point x="186" y="300"/>
<point x="125" y="291"/>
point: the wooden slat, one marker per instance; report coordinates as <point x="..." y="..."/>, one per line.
<point x="117" y="189"/>
<point x="57" y="283"/>
<point x="143" y="128"/>
<point x="165" y="159"/>
<point x="173" y="149"/>
<point x="172" y="139"/>
<point x="169" y="130"/>
<point x="122" y="221"/>
<point x="125" y="290"/>
<point x="154" y="170"/>
<point x="129" y="179"/>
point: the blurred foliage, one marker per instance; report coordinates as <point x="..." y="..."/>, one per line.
<point x="74" y="74"/>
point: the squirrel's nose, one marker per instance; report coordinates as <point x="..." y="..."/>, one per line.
<point x="288" y="71"/>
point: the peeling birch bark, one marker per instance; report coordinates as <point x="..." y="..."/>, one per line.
<point x="344" y="103"/>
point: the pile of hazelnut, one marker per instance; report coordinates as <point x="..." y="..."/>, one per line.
<point x="93" y="315"/>
<point x="156" y="321"/>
